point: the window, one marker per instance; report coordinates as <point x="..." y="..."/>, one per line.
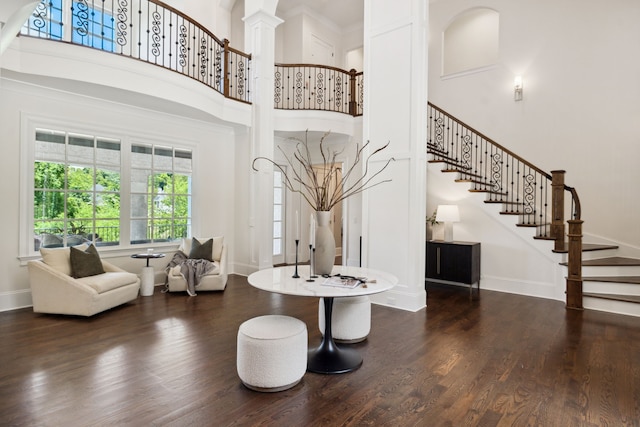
<point x="160" y="193"/>
<point x="80" y="193"/>
<point x="91" y="24"/>
<point x="76" y="195"/>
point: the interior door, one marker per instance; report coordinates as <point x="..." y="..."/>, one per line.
<point x="321" y="52"/>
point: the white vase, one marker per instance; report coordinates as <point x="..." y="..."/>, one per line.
<point x="325" y="254"/>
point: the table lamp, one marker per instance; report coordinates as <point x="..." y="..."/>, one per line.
<point x="448" y="214"/>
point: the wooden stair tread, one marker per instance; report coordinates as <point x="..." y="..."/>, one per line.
<point x="503" y="202"/>
<point x="615" y="261"/>
<point x="624" y="298"/>
<point x="633" y="280"/>
<point x="543" y="238"/>
<point x="586" y="247"/>
<point x="532" y="225"/>
<point x="434" y="149"/>
<point x="467" y="174"/>
<point x="472" y="181"/>
<point x="488" y="191"/>
<point x="450" y="162"/>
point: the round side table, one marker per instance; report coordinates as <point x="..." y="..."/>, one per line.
<point x="147" y="276"/>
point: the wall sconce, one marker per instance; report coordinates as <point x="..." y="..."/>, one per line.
<point x="448" y="214"/>
<point x="517" y="88"/>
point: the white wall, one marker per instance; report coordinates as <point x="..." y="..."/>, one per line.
<point x="299" y="31"/>
<point x="214" y="157"/>
<point x="289" y="34"/>
<point x="580" y="64"/>
<point x="237" y="26"/>
<point x="511" y="260"/>
<point x="471" y="41"/>
<point x="206" y="13"/>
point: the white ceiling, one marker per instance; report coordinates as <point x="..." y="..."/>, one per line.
<point x="345" y="14"/>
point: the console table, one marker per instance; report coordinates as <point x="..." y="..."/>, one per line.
<point x="457" y="262"/>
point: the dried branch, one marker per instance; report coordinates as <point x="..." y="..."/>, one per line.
<point x="317" y="190"/>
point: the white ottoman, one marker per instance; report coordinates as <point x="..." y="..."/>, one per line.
<point x="272" y="352"/>
<point x="350" y="319"/>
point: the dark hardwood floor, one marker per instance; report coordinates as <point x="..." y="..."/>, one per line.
<point x="169" y="359"/>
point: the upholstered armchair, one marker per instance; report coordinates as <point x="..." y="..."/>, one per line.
<point x="55" y="290"/>
<point x="214" y="280"/>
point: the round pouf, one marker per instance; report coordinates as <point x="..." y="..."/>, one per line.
<point x="350" y="318"/>
<point x="272" y="352"/>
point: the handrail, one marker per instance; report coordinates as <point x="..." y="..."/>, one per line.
<point x="480" y="134"/>
<point x="577" y="210"/>
<point x="522" y="188"/>
<point x="318" y="87"/>
<point x="503" y="153"/>
<point x="147" y="30"/>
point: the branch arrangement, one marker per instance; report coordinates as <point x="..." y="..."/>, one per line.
<point x="316" y="185"/>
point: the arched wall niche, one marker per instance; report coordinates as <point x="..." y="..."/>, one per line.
<point x="471" y="41"/>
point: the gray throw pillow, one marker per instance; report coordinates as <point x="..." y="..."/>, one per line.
<point x="85" y="263"/>
<point x="201" y="250"/>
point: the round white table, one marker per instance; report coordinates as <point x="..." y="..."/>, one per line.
<point x="147" y="276"/>
<point x="328" y="358"/>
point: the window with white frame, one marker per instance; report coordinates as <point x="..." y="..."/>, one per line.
<point x="160" y="193"/>
<point x="80" y="193"/>
<point x="76" y="194"/>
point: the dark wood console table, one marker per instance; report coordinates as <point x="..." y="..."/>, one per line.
<point x="457" y="262"/>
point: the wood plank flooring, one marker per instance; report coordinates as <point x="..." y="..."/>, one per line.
<point x="169" y="359"/>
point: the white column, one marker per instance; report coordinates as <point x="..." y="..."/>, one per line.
<point x="395" y="110"/>
<point x="260" y="24"/>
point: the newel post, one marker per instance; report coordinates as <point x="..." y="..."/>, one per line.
<point x="227" y="67"/>
<point x="352" y="92"/>
<point x="557" y="209"/>
<point x="574" y="278"/>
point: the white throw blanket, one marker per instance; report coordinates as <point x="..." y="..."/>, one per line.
<point x="191" y="269"/>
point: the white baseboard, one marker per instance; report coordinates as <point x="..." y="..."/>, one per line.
<point x="14" y="300"/>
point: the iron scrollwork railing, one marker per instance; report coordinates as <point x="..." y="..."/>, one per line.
<point x="318" y="87"/>
<point x="147" y="30"/>
<point x="521" y="187"/>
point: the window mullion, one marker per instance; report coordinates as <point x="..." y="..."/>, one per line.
<point x="125" y="192"/>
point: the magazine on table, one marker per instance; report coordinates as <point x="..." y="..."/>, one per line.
<point x="343" y="281"/>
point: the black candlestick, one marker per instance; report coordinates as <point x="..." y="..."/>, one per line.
<point x="295" y="275"/>
<point x="310" y="266"/>
<point x="314" y="275"/>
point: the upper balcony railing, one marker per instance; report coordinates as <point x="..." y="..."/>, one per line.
<point x="147" y="30"/>
<point x="318" y="87"/>
<point x="151" y="31"/>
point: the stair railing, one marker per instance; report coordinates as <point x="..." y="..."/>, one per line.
<point x="523" y="189"/>
<point x="150" y="31"/>
<point x="318" y="87"/>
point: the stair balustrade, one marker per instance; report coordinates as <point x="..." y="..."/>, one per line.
<point x="150" y="31"/>
<point x="523" y="189"/>
<point x="318" y="87"/>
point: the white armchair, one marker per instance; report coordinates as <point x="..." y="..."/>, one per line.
<point x="215" y="280"/>
<point x="54" y="290"/>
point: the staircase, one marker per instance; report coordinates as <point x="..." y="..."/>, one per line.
<point x="611" y="283"/>
<point x="537" y="198"/>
